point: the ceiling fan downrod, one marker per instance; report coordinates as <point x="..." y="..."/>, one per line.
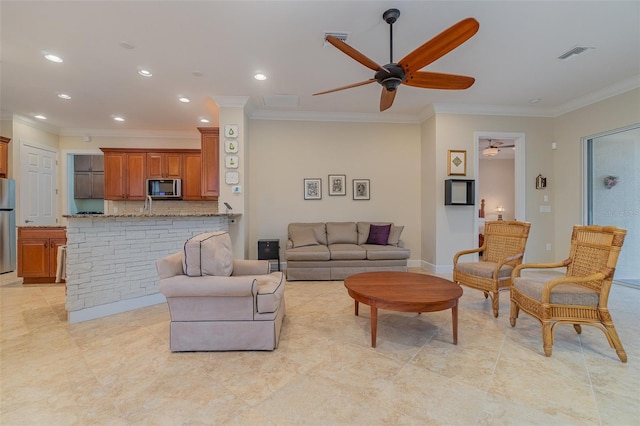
<point x="390" y="16"/>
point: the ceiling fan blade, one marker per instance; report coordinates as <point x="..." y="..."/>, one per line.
<point x="440" y="45"/>
<point x="354" y="54"/>
<point x="362" y="83"/>
<point x="435" y="80"/>
<point x="386" y="98"/>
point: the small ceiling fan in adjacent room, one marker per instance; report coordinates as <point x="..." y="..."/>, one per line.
<point x="407" y="70"/>
<point x="493" y="147"/>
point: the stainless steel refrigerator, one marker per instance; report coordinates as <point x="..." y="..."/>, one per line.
<point x="7" y="225"/>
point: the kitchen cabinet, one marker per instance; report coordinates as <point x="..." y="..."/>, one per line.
<point x="210" y="138"/>
<point x="38" y="253"/>
<point x="4" y="156"/>
<point x="164" y="165"/>
<point x="88" y="176"/>
<point x="192" y="177"/>
<point x="124" y="174"/>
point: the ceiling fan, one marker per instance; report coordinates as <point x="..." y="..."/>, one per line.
<point x="406" y="71"/>
<point x="494" y="148"/>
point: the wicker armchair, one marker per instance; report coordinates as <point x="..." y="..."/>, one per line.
<point x="502" y="250"/>
<point x="581" y="296"/>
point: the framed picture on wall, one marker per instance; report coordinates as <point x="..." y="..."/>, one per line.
<point x="361" y="190"/>
<point x="337" y="184"/>
<point x="312" y="189"/>
<point x="457" y="163"/>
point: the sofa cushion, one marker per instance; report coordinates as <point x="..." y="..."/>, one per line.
<point x="363" y="230"/>
<point x="270" y="292"/>
<point x="378" y="234"/>
<point x="394" y="235"/>
<point x="319" y="230"/>
<point x="562" y="294"/>
<point x="342" y="233"/>
<point x="209" y="253"/>
<point x="347" y="252"/>
<point x="304" y="237"/>
<point x="308" y="253"/>
<point x="484" y="269"/>
<point x="378" y="252"/>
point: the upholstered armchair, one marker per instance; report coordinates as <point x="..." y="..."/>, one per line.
<point x="502" y="250"/>
<point x="240" y="308"/>
<point x="579" y="297"/>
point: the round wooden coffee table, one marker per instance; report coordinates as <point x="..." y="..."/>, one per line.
<point x="404" y="292"/>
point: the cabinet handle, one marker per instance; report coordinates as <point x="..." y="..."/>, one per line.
<point x="45" y="245"/>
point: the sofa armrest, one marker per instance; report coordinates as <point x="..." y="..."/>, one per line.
<point x="250" y="267"/>
<point x="208" y="286"/>
<point x="170" y="266"/>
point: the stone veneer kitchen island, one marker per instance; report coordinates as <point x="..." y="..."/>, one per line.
<point x="111" y="259"/>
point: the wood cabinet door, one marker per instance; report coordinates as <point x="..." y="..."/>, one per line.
<point x="192" y="178"/>
<point x="154" y="165"/>
<point x="82" y="163"/>
<point x="82" y="185"/>
<point x="136" y="176"/>
<point x="33" y="257"/>
<point x="210" y="161"/>
<point x="4" y="159"/>
<point x="173" y="162"/>
<point x="115" y="176"/>
<point x="97" y="185"/>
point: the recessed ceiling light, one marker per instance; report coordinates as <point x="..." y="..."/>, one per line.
<point x="63" y="96"/>
<point x="118" y="118"/>
<point x="204" y="120"/>
<point x="534" y="100"/>
<point x="40" y="117"/>
<point x="144" y="73"/>
<point x="260" y="77"/>
<point x="53" y="58"/>
<point x="184" y="100"/>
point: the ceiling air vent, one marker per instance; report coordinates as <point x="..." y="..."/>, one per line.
<point x="573" y="52"/>
<point x="341" y="36"/>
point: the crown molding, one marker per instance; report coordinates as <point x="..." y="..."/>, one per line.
<point x="45" y="127"/>
<point x="503" y="110"/>
<point x="231" y="101"/>
<point x="133" y="133"/>
<point x="262" y="114"/>
<point x="599" y="95"/>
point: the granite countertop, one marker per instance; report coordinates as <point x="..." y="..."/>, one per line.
<point x="151" y="216"/>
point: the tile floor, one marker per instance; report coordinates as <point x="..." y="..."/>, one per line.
<point x="119" y="371"/>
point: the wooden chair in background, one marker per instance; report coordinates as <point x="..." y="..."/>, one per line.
<point x="502" y="250"/>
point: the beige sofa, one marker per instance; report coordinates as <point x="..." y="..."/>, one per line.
<point x="335" y="250"/>
<point x="243" y="311"/>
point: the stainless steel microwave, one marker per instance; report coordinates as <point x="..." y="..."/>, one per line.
<point x="165" y="188"/>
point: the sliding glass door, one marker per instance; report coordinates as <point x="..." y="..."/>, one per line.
<point x="613" y="192"/>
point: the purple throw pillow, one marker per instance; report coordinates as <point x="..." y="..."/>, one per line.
<point x="379" y="234"/>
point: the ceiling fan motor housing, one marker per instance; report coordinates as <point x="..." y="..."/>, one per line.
<point x="391" y="79"/>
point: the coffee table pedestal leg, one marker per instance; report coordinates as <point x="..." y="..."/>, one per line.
<point x="454" y="320"/>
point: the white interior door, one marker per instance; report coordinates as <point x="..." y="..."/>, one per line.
<point x="37" y="186"/>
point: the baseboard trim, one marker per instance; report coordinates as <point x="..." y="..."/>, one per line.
<point x="107" y="309"/>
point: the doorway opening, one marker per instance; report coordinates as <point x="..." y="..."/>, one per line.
<point x="500" y="165"/>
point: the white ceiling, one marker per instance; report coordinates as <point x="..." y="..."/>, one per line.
<point x="513" y="58"/>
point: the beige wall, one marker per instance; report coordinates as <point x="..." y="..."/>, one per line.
<point x="454" y="225"/>
<point x="613" y="113"/>
<point x="428" y="193"/>
<point x="283" y="153"/>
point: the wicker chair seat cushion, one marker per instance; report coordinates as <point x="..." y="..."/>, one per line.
<point x="484" y="269"/>
<point x="562" y="294"/>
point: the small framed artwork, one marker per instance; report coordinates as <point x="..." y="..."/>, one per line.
<point x="313" y="189"/>
<point x="232" y="178"/>
<point x="361" y="190"/>
<point x="231" y="146"/>
<point x="231" y="161"/>
<point x="231" y="130"/>
<point x="457" y="163"/>
<point x="337" y="184"/>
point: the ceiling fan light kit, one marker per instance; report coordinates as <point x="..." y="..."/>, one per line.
<point x="490" y="152"/>
<point x="407" y="70"/>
